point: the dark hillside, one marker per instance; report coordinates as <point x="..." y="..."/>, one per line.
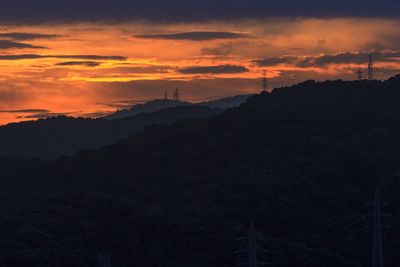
<point x="302" y="162"/>
<point x="64" y="136"/>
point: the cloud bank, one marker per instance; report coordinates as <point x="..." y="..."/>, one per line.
<point x="21" y="36"/>
<point x="80" y="63"/>
<point x="6" y="44"/>
<point x="195" y="36"/>
<point x="36" y="56"/>
<point x="328" y="59"/>
<point x="183" y="11"/>
<point x="222" y="69"/>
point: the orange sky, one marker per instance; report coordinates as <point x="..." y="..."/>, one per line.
<point x="137" y="61"/>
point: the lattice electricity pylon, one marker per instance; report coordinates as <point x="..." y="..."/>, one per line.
<point x="253" y="250"/>
<point x="104" y="259"/>
<point x="377" y="253"/>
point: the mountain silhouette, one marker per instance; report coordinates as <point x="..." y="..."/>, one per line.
<point x="228" y="102"/>
<point x="148" y="107"/>
<point x="63" y="136"/>
<point x="301" y="162"/>
<point x="160" y="104"/>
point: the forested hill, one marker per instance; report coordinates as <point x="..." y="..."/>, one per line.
<point x="302" y="162"/>
<point x="64" y="136"/>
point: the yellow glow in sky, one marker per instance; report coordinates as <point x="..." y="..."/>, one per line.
<point x="87" y="68"/>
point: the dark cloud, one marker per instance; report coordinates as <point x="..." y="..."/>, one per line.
<point x="19" y="57"/>
<point x="324" y="60"/>
<point x="90" y="57"/>
<point x="83" y="57"/>
<point x="6" y="44"/>
<point x="141" y="69"/>
<point x="94" y="115"/>
<point x="183" y="10"/>
<point x="348" y="58"/>
<point x="222" y="69"/>
<point x="194" y="36"/>
<point x="80" y="63"/>
<point x="25" y="111"/>
<point x="341" y="58"/>
<point x="45" y="115"/>
<point x="273" y="61"/>
<point x="21" y="36"/>
<point x="220" y="50"/>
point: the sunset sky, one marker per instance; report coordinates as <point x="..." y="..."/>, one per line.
<point x="88" y="59"/>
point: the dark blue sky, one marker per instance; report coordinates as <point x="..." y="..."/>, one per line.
<point x="180" y="10"/>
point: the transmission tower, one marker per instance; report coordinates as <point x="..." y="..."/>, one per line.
<point x="359" y="73"/>
<point x="370" y="68"/>
<point x="176" y="95"/>
<point x="377" y="254"/>
<point x="252" y="250"/>
<point x="265" y="83"/>
<point x="104" y="259"/>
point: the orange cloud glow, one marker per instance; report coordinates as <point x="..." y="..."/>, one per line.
<point x="84" y="69"/>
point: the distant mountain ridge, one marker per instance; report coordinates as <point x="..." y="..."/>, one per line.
<point x="62" y="136"/>
<point x="148" y="107"/>
<point x="227" y="102"/>
<point x="160" y="104"/>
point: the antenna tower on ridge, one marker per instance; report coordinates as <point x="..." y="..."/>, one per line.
<point x="177" y="95"/>
<point x="370" y="68"/>
<point x="265" y="82"/>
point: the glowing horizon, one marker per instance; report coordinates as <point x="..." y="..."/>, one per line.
<point x="86" y="69"/>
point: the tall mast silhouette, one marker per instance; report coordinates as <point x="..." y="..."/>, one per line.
<point x="377" y="254"/>
<point x="177" y="95"/>
<point x="265" y="82"/>
<point x="370" y="68"/>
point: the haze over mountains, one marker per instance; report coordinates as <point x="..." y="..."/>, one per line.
<point x="157" y="105"/>
<point x="63" y="136"/>
<point x="302" y="162"/>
